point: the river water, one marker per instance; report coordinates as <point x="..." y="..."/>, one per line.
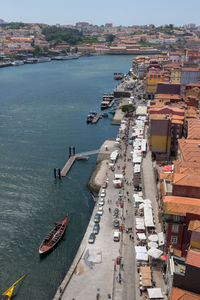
<point x="43" y="111"/>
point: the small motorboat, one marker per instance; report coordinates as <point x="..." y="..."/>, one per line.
<point x="89" y="118"/>
<point x="53" y="237"/>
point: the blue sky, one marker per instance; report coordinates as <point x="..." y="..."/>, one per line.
<point x="118" y="12"/>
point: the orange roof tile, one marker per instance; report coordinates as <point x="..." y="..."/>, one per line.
<point x="190" y="149"/>
<point x="186" y="179"/>
<point x="165" y="176"/>
<point x="191" y="69"/>
<point x="181" y="205"/>
<point x="194" y="225"/>
<point x="167" y="96"/>
<point x="179" y="294"/>
<point x="177" y="121"/>
<point x="181" y="166"/>
<point x="194" y="129"/>
<point x="193" y="258"/>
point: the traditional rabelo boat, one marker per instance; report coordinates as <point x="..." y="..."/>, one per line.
<point x="8" y="294"/>
<point x="53" y="237"/>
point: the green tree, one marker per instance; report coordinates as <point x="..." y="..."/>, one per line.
<point x="38" y="51"/>
<point x="109" y="38"/>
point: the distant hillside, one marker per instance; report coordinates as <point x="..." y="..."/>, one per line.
<point x="57" y="34"/>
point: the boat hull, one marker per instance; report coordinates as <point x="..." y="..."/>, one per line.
<point x="55" y="236"/>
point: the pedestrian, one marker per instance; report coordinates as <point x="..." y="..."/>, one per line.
<point x="133" y="238"/>
<point x="130" y="236"/>
<point x="109" y="210"/>
<point x="114" y="267"/>
<point x="126" y="211"/>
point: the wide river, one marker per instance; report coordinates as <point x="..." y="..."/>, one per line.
<point x="43" y="111"/>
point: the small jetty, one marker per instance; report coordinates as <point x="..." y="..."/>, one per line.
<point x="96" y="118"/>
<point x="73" y="157"/>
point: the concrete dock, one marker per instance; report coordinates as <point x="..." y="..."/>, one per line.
<point x="96" y="118"/>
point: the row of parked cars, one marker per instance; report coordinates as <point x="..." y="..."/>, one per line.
<point x="97" y="217"/>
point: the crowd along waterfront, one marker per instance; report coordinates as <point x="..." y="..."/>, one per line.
<point x="43" y="110"/>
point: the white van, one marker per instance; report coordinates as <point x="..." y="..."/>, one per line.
<point x="116" y="237"/>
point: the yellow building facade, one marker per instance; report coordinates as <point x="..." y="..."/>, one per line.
<point x="176" y="75"/>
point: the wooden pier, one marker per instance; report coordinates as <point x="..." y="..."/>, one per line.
<point x="73" y="158"/>
<point x="96" y="118"/>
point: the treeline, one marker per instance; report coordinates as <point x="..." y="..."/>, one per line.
<point x="57" y="34"/>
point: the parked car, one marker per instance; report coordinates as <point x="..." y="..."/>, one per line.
<point x="97" y="218"/>
<point x="104" y="186"/>
<point x="103" y="194"/>
<point x="100" y="211"/>
<point x="96" y="228"/>
<point x="91" y="239"/>
<point x="101" y="202"/>
<point x="116" y="223"/>
<point x="116" y="236"/>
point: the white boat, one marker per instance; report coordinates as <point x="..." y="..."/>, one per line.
<point x="43" y="59"/>
<point x="17" y="63"/>
<point x="66" y="57"/>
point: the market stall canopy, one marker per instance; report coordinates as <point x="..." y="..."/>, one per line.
<point x="152" y="245"/>
<point x="137" y="198"/>
<point x="145" y="273"/>
<point x="153" y="238"/>
<point x="161" y="239"/>
<point x="142" y="256"/>
<point x="141" y="236"/>
<point x="155" y="253"/>
<point x="148" y="216"/>
<point x="155" y="293"/>
<point x="141" y="249"/>
<point x="119" y="176"/>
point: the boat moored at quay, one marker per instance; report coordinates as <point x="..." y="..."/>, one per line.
<point x="118" y="76"/>
<point x="53" y="237"/>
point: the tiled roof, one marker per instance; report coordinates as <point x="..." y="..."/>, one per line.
<point x="194" y="225"/>
<point x="182" y="166"/>
<point x="192" y="180"/>
<point x="165" y="176"/>
<point x="179" y="294"/>
<point x="180" y="205"/>
<point x="194" y="129"/>
<point x="193" y="258"/>
<point x="167" y="96"/>
<point x="190" y="149"/>
<point x="191" y="69"/>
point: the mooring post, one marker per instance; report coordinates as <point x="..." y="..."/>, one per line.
<point x="59" y="174"/>
<point x="54" y="172"/>
<point x="70" y="153"/>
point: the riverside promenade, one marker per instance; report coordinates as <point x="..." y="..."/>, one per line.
<point x="94" y="273"/>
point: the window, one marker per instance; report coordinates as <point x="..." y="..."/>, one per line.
<point x="176" y="218"/>
<point x="174" y="239"/>
<point x="175" y="228"/>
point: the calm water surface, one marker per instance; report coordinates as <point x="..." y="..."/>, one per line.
<point x="43" y="109"/>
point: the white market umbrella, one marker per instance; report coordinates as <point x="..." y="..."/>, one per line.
<point x="155" y="253"/>
<point x="152" y="245"/>
<point x="153" y="238"/>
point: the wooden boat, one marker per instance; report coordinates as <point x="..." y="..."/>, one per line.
<point x="89" y="118"/>
<point x="8" y="294"/>
<point x="118" y="76"/>
<point x="53" y="237"/>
